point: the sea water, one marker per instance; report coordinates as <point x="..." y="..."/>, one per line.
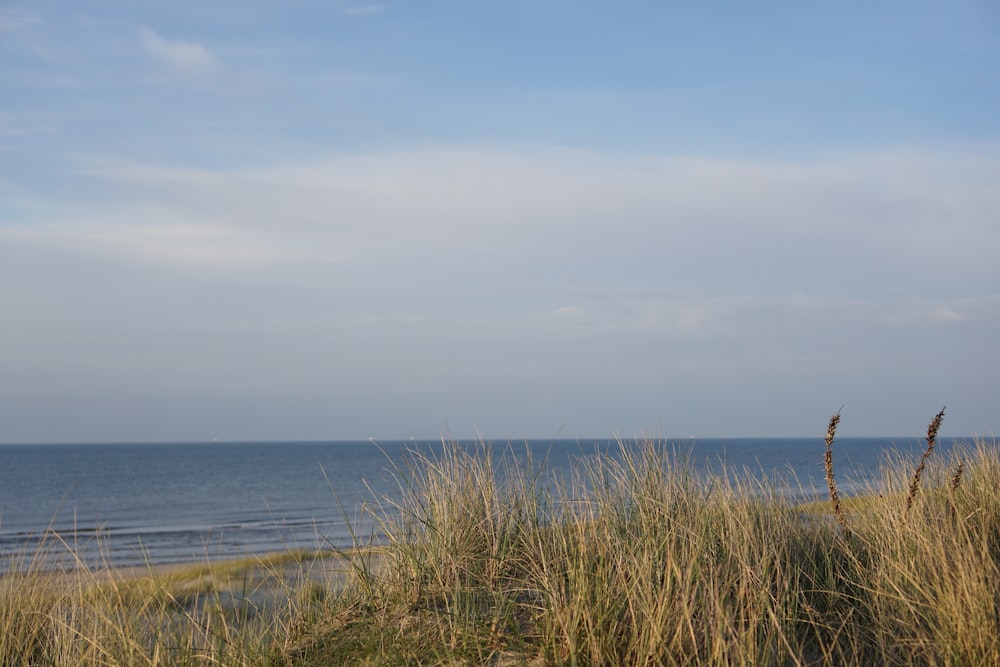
<point x="136" y="504"/>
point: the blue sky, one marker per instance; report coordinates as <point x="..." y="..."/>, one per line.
<point x="335" y="220"/>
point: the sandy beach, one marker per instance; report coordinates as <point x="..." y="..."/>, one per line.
<point x="253" y="585"/>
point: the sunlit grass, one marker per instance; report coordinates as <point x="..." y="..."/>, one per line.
<point x="215" y="613"/>
<point x="639" y="560"/>
<point x="658" y="565"/>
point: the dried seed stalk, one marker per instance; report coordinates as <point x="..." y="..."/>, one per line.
<point x="831" y="431"/>
<point x="956" y="480"/>
<point x="932" y="431"/>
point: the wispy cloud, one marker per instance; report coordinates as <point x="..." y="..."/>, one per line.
<point x="656" y="219"/>
<point x="215" y="246"/>
<point x="156" y="241"/>
<point x="656" y="281"/>
<point x="13" y="20"/>
<point x="185" y="56"/>
<point x="946" y="314"/>
<point x="24" y="125"/>
<point x="363" y="10"/>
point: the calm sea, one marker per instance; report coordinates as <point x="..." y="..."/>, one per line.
<point x="130" y="504"/>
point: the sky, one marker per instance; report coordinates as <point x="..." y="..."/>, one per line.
<point x="332" y="220"/>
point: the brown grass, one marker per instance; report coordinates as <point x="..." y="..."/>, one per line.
<point x="639" y="561"/>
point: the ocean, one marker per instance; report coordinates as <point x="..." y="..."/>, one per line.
<point x="135" y="504"/>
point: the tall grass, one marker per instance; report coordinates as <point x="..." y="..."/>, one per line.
<point x="659" y="565"/>
<point x="639" y="560"/>
<point x="56" y="614"/>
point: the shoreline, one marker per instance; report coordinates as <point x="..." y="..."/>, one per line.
<point x="294" y="568"/>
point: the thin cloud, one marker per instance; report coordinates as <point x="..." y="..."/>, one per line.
<point x="19" y="127"/>
<point x="945" y="314"/>
<point x="184" y="56"/>
<point x="363" y="10"/>
<point x="14" y="20"/>
<point x="668" y="222"/>
<point x="183" y="245"/>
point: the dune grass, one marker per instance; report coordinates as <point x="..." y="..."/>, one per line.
<point x="637" y="561"/>
<point x="239" y="612"/>
<point x="660" y="566"/>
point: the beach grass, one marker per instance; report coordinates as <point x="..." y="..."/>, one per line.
<point x="639" y="560"/>
<point x="235" y="612"/>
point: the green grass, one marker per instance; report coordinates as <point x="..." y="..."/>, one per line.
<point x="655" y="566"/>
